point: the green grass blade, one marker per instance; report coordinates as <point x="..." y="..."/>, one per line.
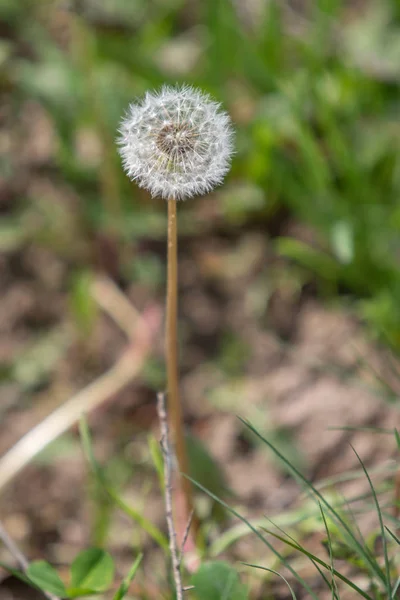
<point x="144" y="523"/>
<point x="349" y="511"/>
<point x="289" y="519"/>
<point x="382" y="528"/>
<point x="287" y="535"/>
<point x="323" y="576"/>
<point x="231" y="49"/>
<point x="395" y="588"/>
<point x="258" y="534"/>
<point x="314" y="558"/>
<point x="397" y="436"/>
<point x="369" y="560"/>
<point x="328" y="533"/>
<point x="390" y="532"/>
<point x="275" y="573"/>
<point x="123" y="588"/>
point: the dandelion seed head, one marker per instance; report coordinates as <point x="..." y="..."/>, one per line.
<point x="176" y="143"/>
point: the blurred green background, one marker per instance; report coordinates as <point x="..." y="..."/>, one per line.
<point x="310" y="211"/>
<point x="313" y="90"/>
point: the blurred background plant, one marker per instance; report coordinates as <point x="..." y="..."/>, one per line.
<point x="314" y="94"/>
<point x="311" y="208"/>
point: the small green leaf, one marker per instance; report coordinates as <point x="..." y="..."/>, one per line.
<point x="217" y="580"/>
<point x="92" y="569"/>
<point x="204" y="468"/>
<point x="18" y="574"/>
<point x="42" y="574"/>
<point x="73" y="592"/>
<point x="123" y="588"/>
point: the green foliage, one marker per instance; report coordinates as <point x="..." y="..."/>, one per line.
<point x="124" y="587"/>
<point x="351" y="537"/>
<point x="218" y="580"/>
<point x="397" y="435"/>
<point x="316" y="113"/>
<point x="275" y="573"/>
<point x="46" y="578"/>
<point x="344" y="541"/>
<point x="206" y="471"/>
<point x="113" y="494"/>
<point x="83" y="306"/>
<point x="92" y="569"/>
<point x="33" y="367"/>
<point x="321" y="263"/>
<point x="90" y="574"/>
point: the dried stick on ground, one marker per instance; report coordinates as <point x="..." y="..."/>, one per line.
<point x="116" y="304"/>
<point x="107" y="385"/>
<point x="168" y="458"/>
<point x="66" y="415"/>
<point x="19" y="557"/>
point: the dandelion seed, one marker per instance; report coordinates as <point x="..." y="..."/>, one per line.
<point x="176" y="143"/>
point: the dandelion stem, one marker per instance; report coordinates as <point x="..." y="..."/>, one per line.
<point x="171" y="341"/>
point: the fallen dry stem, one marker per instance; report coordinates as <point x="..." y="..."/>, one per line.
<point x="68" y="414"/>
<point x="116" y="304"/>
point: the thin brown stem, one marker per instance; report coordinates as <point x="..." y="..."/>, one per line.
<point x="186" y="535"/>
<point x="174" y="403"/>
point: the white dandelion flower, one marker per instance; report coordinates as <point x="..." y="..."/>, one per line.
<point x="176" y="143"/>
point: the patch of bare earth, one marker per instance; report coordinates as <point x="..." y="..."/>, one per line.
<point x="299" y="389"/>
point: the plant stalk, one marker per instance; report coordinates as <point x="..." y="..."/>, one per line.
<point x="171" y="351"/>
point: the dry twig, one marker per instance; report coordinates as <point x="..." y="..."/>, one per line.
<point x="186" y="535"/>
<point x="66" y="415"/>
<point x="116" y="304"/>
<point x="168" y="458"/>
<point x="19" y="557"/>
<point x="107" y="385"/>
